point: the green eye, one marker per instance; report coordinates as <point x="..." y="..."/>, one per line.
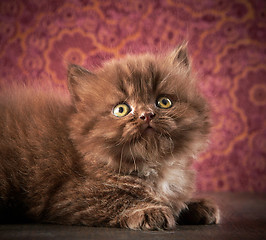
<point x="164" y="102"/>
<point x="121" y="110"/>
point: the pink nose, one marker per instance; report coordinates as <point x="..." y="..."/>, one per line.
<point x="147" y="117"/>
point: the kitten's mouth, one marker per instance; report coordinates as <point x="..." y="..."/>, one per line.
<point x="147" y="129"/>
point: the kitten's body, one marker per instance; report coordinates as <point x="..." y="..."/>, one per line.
<point x="71" y="161"/>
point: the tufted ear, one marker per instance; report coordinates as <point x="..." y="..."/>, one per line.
<point x="180" y="56"/>
<point x="79" y="82"/>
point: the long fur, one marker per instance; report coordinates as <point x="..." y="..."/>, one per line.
<point x="67" y="159"/>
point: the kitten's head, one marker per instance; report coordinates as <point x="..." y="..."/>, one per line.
<point x="139" y="112"/>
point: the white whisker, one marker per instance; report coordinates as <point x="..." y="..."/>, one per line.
<point x="134" y="160"/>
<point x="121" y="159"/>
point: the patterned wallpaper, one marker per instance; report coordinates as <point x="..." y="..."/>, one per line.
<point x="227" y="42"/>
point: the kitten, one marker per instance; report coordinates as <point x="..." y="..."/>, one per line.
<point x="116" y="153"/>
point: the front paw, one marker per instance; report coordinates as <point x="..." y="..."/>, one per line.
<point x="199" y="212"/>
<point x="148" y="218"/>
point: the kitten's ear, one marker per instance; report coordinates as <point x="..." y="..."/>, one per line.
<point x="180" y="56"/>
<point x="79" y="80"/>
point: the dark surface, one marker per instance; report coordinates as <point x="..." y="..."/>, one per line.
<point x="243" y="216"/>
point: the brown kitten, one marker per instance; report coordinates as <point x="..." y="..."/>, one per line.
<point x="117" y="153"/>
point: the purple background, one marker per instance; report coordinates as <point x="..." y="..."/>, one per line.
<point x="227" y="42"/>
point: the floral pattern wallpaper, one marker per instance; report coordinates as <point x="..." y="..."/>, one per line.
<point x="226" y="42"/>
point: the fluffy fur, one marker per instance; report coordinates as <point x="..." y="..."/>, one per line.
<point x="69" y="160"/>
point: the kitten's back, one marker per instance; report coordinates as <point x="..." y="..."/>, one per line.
<point x="32" y="126"/>
<point x="28" y="113"/>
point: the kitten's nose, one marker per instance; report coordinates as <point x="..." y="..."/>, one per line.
<point x="147" y="116"/>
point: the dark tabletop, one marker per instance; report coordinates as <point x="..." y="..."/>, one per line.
<point x="243" y="216"/>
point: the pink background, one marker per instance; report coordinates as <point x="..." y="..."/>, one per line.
<point x="227" y="42"/>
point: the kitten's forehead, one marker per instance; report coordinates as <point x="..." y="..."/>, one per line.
<point x="143" y="78"/>
<point x="138" y="79"/>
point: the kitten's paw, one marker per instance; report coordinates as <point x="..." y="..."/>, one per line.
<point x="149" y="218"/>
<point x="201" y="211"/>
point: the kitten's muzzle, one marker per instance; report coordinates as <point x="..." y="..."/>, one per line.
<point x="147" y="116"/>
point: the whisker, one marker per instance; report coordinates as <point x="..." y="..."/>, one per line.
<point x="121" y="159"/>
<point x="166" y="77"/>
<point x="172" y="144"/>
<point x="134" y="160"/>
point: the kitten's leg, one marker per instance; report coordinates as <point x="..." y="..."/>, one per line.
<point x="147" y="216"/>
<point x="200" y="211"/>
<point x="124" y="204"/>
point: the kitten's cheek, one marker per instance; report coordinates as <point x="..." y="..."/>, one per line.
<point x="173" y="127"/>
<point x="110" y="134"/>
<point x="110" y="130"/>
